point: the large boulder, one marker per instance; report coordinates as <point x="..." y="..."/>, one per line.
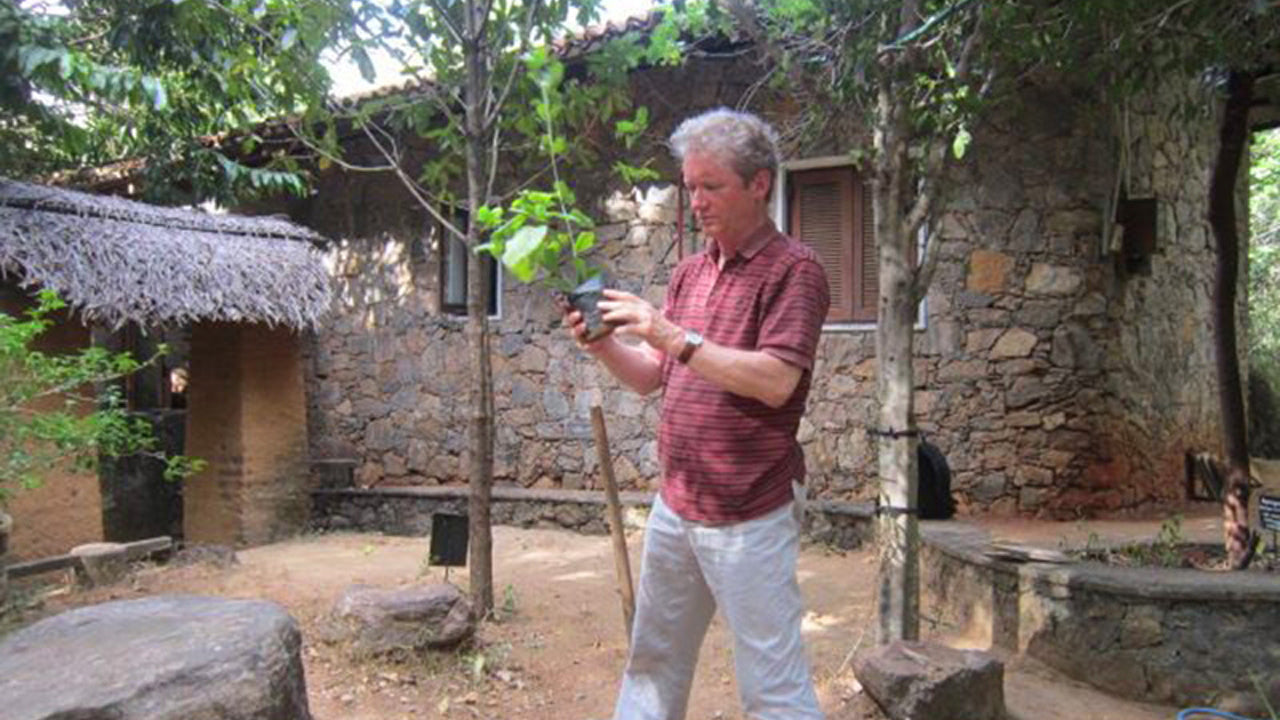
<point x="377" y="621"/>
<point x="929" y="681"/>
<point x="170" y="657"/>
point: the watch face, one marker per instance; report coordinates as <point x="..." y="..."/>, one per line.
<point x="693" y="337"/>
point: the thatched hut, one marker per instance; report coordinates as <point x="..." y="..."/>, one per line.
<point x="241" y="287"/>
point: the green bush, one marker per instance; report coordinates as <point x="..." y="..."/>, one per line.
<point x="43" y="398"/>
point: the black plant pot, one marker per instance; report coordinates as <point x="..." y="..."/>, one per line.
<point x="585" y="299"/>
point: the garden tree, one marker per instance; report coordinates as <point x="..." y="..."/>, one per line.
<point x="909" y="69"/>
<point x="923" y="75"/>
<point x="488" y="89"/>
<point x="163" y="82"/>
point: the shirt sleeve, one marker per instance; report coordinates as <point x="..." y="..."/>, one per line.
<point x="793" y="316"/>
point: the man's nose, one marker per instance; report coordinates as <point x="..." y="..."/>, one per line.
<point x="697" y="199"/>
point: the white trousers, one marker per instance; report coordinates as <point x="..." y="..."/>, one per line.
<point x="748" y="570"/>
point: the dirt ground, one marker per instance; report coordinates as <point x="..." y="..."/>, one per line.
<point x="557" y="647"/>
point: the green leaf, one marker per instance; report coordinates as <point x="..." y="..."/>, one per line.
<point x="961" y="143"/>
<point x="364" y="63"/>
<point x="584" y="242"/>
<point x="521" y="250"/>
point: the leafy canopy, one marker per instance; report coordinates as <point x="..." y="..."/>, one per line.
<point x="1264" y="255"/>
<point x="91" y="82"/>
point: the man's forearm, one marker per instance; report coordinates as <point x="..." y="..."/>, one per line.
<point x="639" y="367"/>
<point x="750" y="373"/>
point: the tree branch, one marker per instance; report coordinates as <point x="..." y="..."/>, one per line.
<point x="448" y="22"/>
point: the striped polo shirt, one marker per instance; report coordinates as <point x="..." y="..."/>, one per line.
<point x="728" y="458"/>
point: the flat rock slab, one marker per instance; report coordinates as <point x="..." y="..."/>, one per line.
<point x="378" y="621"/>
<point x="930" y="681"/>
<point x="169" y="657"/>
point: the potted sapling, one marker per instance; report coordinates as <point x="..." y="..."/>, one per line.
<point x="541" y="236"/>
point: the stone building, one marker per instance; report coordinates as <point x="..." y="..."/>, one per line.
<point x="237" y="291"/>
<point x="1059" y="374"/>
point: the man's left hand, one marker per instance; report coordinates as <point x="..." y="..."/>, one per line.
<point x="633" y="315"/>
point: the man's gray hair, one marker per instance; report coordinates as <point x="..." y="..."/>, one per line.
<point x="743" y="141"/>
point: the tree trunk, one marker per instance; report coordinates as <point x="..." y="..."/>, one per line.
<point x="898" y="529"/>
<point x="481" y="465"/>
<point x="1222" y="219"/>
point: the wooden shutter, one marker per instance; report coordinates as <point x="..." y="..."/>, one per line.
<point x="866" y="258"/>
<point x="822" y="216"/>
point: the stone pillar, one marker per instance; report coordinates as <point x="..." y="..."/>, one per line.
<point x="246" y="417"/>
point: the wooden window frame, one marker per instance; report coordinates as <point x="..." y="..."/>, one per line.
<point x="854" y="284"/>
<point x="859" y="316"/>
<point x="450" y="249"/>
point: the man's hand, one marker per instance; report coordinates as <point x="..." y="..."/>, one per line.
<point x="632" y="315"/>
<point x="639" y="368"/>
<point x="577" y="326"/>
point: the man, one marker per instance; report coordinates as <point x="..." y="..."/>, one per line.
<point x="733" y="351"/>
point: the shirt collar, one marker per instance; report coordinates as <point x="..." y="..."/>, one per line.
<point x="756" y="242"/>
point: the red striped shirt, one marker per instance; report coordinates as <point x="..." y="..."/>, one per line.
<point x="728" y="458"/>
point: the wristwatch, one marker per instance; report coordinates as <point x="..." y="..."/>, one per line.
<point x="692" y="341"/>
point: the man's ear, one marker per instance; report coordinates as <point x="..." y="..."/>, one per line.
<point x="760" y="183"/>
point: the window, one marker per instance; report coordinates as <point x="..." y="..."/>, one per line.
<point x="829" y="208"/>
<point x="453" y="272"/>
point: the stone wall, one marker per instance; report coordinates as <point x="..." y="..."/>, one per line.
<point x="409" y="510"/>
<point x="1056" y="382"/>
<point x="1164" y="635"/>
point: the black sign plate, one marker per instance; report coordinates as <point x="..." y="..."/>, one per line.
<point x="1269" y="511"/>
<point x="448" y="540"/>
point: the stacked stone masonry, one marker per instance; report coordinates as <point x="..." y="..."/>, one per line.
<point x="1167" y="635"/>
<point x="1056" y="383"/>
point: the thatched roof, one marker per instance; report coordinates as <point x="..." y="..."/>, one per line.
<point x="117" y="260"/>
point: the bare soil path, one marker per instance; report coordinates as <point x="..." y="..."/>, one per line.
<point x="557" y="647"/>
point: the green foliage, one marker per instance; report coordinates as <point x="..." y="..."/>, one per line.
<point x="163" y="81"/>
<point x="542" y="235"/>
<point x="1264" y="256"/>
<point x="629" y="132"/>
<point x="42" y="401"/>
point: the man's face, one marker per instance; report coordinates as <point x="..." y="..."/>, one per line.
<point x="727" y="208"/>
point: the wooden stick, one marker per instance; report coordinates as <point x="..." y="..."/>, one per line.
<point x="621" y="561"/>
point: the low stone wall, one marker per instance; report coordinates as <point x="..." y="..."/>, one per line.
<point x="408" y="511"/>
<point x="1159" y="635"/>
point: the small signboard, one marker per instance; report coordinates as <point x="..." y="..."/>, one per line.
<point x="448" y="540"/>
<point x="1269" y="512"/>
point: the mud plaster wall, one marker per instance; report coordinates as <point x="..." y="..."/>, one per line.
<point x="66" y="509"/>
<point x="247" y="419"/>
<point x="1055" y="382"/>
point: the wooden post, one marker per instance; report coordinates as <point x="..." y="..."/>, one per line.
<point x="621" y="561"/>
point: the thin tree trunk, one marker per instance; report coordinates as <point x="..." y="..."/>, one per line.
<point x="899" y="572"/>
<point x="1222" y="219"/>
<point x="481" y="466"/>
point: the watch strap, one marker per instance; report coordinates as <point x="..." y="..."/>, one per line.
<point x="692" y="341"/>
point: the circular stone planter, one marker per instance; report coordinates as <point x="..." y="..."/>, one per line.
<point x="1167" y="635"/>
